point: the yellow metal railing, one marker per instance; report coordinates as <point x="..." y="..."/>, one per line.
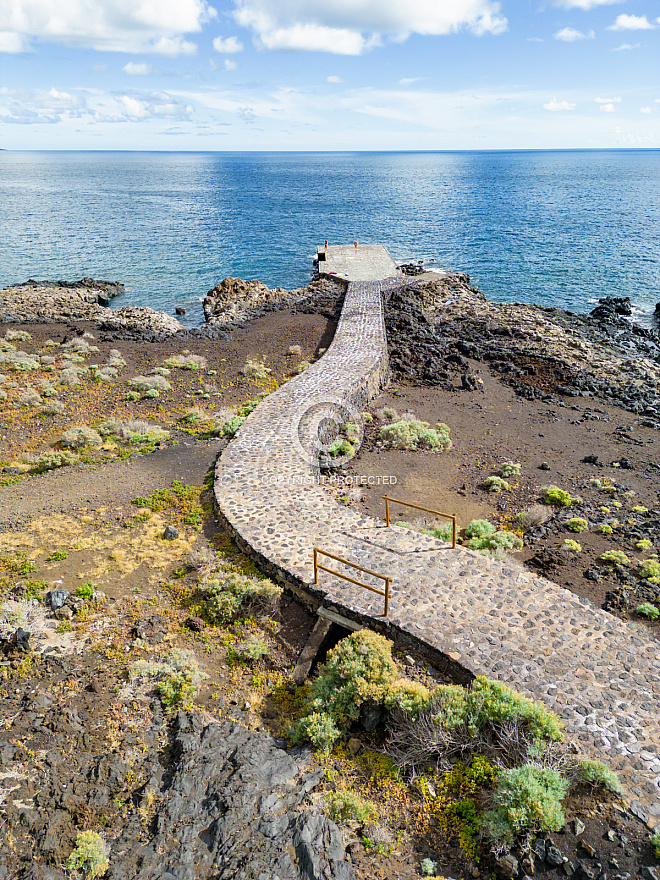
<point x="388" y="580"/>
<point x="451" y="516"/>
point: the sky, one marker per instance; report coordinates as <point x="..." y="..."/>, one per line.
<point x="329" y="74"/>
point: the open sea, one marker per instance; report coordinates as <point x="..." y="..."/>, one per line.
<point x="559" y="228"/>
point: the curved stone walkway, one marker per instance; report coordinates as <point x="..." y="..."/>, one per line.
<point x="487" y="617"/>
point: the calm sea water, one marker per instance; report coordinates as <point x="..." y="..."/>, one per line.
<point x="555" y="228"/>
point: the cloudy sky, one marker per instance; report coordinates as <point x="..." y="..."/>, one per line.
<point x="329" y="74"/>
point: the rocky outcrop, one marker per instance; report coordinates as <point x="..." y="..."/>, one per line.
<point x="234" y="301"/>
<point x="435" y="328"/>
<point x="44" y="302"/>
<point x="231" y="804"/>
<point x="138" y="319"/>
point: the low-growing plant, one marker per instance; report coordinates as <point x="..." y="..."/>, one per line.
<point x="639" y="508"/>
<point x="577" y="524"/>
<point x="596" y="773"/>
<point x="186" y="362"/>
<point x="150" y="383"/>
<point x="650" y="569"/>
<point x="479" y="528"/>
<point x="79" y="437"/>
<point x="557" y="497"/>
<point x="302" y="366"/>
<point x="57" y="556"/>
<point x="496" y="484"/>
<point x="572" y="546"/>
<point x="644" y="544"/>
<point x="51" y="460"/>
<point x="90" y="855"/>
<point x="136" y="432"/>
<point x="231" y="426"/>
<point x="85" y="591"/>
<point x="655" y="843"/>
<point x="343" y="806"/>
<point x="616" y="557"/>
<point x="234" y="593"/>
<point x="152" y="393"/>
<point x="255" y="370"/>
<point x="510" y="469"/>
<point x="646" y="609"/>
<point x="606" y="529"/>
<point x="249" y="652"/>
<point x="527" y="799"/>
<point x="178" y="676"/>
<point x="429" y="867"/>
<point x="414" y="434"/>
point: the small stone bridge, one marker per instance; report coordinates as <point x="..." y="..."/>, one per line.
<point x="479" y="615"/>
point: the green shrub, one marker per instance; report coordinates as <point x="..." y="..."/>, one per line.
<point x="572" y="546"/>
<point x="318" y="728"/>
<point x="89" y="855"/>
<point x="234" y="593"/>
<point x="429" y="867"/>
<point x="340" y="447"/>
<point x="149" y="383"/>
<point x="411" y="696"/>
<point x="650" y="569"/>
<point x="527" y="799"/>
<point x="606" y="529"/>
<point x="644" y="544"/>
<point x="496" y="484"/>
<point x="577" y="524"/>
<point x="79" y="437"/>
<point x="655" y="843"/>
<point x="255" y="370"/>
<point x="495" y="544"/>
<point x="646" y="609"/>
<point x="51" y="460"/>
<point x="186" y="362"/>
<point x="357" y="669"/>
<point x="152" y="393"/>
<point x="596" y="773"/>
<point x="639" y="508"/>
<point x="510" y="469"/>
<point x="558" y="497"/>
<point x="85" y="591"/>
<point x="178" y="676"/>
<point x="249" y="652"/>
<point x="343" y="806"/>
<point x="302" y="366"/>
<point x="480" y="528"/>
<point x="231" y="426"/>
<point x="414" y="434"/>
<point x="616" y="557"/>
<point x="488" y="702"/>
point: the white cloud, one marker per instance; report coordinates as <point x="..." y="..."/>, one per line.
<point x="534" y="40"/>
<point x="624" y="47"/>
<point x="645" y="110"/>
<point x="55" y="106"/>
<point x="408" y="80"/>
<point x="335" y="79"/>
<point x="584" y="4"/>
<point x="631" y="23"/>
<point x="349" y="27"/>
<point x="11" y="43"/>
<point x="105" y="25"/>
<point x="607" y="108"/>
<point x="556" y="105"/>
<point x="608" y="100"/>
<point x="570" y="35"/>
<point x="134" y="69"/>
<point x="227" y="46"/>
<point x="230" y="65"/>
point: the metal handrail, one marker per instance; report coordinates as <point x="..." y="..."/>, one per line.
<point x="451" y="516"/>
<point x="388" y="580"/>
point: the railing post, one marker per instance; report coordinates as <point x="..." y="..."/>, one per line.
<point x="453" y="532"/>
<point x="387" y="597"/>
<point x="316" y="571"/>
<point x="387" y="511"/>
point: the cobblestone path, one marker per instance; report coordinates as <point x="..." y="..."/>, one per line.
<point x="488" y="617"/>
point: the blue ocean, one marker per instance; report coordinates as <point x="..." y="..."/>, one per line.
<point x="557" y="228"/>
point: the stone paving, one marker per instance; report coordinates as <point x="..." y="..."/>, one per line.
<point x="484" y="616"/>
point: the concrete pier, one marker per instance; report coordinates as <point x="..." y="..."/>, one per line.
<point x="366" y="262"/>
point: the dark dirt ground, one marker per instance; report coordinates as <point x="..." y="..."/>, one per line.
<point x="73" y="697"/>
